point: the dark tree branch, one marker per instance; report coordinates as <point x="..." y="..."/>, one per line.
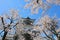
<point x="1" y="32"/>
<point x="53" y="31"/>
<point x="15" y="24"/>
<point x="37" y="1"/>
<point x="3" y="23"/>
<point x="5" y="31"/>
<point x="47" y="35"/>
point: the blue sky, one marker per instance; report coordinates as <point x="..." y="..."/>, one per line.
<point x="6" y="5"/>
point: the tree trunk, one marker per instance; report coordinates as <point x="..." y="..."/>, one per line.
<point x="5" y="33"/>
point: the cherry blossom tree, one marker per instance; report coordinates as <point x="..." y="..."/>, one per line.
<point x="36" y="5"/>
<point x="49" y="28"/>
<point x="8" y="21"/>
<point x="57" y="2"/>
